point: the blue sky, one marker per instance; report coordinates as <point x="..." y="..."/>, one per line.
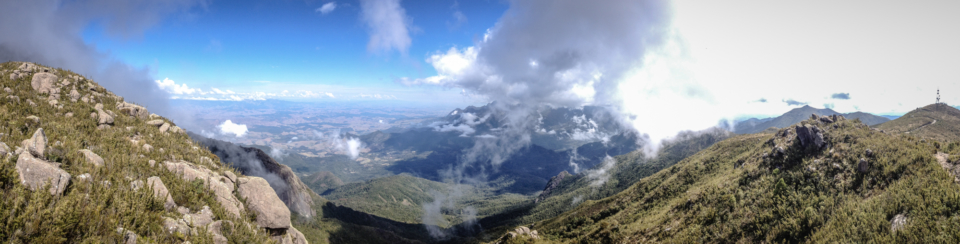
<point x="647" y="58"/>
<point x="287" y="44"/>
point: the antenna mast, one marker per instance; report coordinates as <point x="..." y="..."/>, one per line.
<point x="938" y="99"/>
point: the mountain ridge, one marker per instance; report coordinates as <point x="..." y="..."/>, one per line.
<point x="754" y="125"/>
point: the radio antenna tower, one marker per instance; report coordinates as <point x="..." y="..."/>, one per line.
<point x="938" y="99"/>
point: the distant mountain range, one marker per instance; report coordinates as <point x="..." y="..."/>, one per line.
<point x="796" y="115"/>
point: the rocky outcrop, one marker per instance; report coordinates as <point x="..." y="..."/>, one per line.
<point x="254" y="162"/>
<point x="810" y="136"/>
<point x="133" y="110"/>
<point x="36" y="173"/>
<point x="91" y="157"/>
<point x="156" y="122"/>
<point x="270" y="210"/>
<point x="292" y="236"/>
<point x="45" y="83"/>
<point x="160" y="191"/>
<point x="520" y="232"/>
<point x="104" y="119"/>
<point x="220" y="185"/>
<point x="552" y="184"/>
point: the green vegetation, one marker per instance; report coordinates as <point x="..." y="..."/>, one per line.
<point x="742" y="190"/>
<point x="401" y="198"/>
<point x="91" y="210"/>
<point x="627" y="170"/>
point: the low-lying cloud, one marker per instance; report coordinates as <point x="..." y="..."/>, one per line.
<point x="228" y="127"/>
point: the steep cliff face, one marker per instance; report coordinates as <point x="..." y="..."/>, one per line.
<point x="252" y="161"/>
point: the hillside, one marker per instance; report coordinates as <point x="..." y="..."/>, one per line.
<point x="853" y="184"/>
<point x="930" y="122"/>
<point x="565" y="191"/>
<point x="81" y="165"/>
<point x="796" y="115"/>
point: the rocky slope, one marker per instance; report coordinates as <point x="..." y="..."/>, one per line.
<point x="81" y="165"/>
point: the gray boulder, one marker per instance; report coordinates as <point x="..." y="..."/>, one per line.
<point x="221" y="186"/>
<point x="164" y="127"/>
<point x="863" y="166"/>
<point x="37" y="144"/>
<point x="261" y="199"/>
<point x="91" y="157"/>
<point x="160" y="191"/>
<point x="898" y="222"/>
<point x="36" y="173"/>
<point x="810" y="136"/>
<point x="156" y="122"/>
<point x="45" y="83"/>
<point x="133" y="110"/>
<point x="74" y="95"/>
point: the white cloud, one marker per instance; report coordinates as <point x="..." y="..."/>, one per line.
<point x="599" y="176"/>
<point x="353" y="147"/>
<point x="387" y="24"/>
<point x="228" y="127"/>
<point x="171" y="87"/>
<point x="376" y="96"/>
<point x="329" y="95"/>
<point x="327" y="8"/>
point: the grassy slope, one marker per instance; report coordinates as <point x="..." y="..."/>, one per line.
<point x="385" y="197"/>
<point x="92" y="211"/>
<point x="814" y="196"/>
<point x="920" y="123"/>
<point x="627" y="170"/>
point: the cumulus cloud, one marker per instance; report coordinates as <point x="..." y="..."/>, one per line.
<point x="228" y="127"/>
<point x="792" y="102"/>
<point x="171" y="87"/>
<point x="327" y="8"/>
<point x="387" y="23"/>
<point x="570" y="53"/>
<point x="842" y="96"/>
